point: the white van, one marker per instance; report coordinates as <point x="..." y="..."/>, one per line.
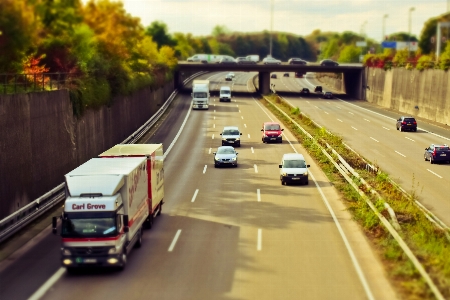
<point x="225" y="94"/>
<point x="293" y="168"/>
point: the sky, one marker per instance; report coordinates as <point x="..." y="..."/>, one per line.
<point x="299" y="17"/>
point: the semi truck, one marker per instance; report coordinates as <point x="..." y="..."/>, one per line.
<point x="200" y="94"/>
<point x="108" y="203"/>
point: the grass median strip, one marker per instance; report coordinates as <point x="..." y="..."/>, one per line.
<point x="429" y="244"/>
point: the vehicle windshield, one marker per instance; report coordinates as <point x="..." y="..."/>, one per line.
<point x="200" y="95"/>
<point x="272" y="127"/>
<point x="294" y="164"/>
<point x="441" y="148"/>
<point x="409" y="120"/>
<point x="225" y="92"/>
<point x="230" y="132"/>
<point x="72" y="226"/>
<point x="225" y="151"/>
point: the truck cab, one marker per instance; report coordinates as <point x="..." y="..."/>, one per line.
<point x="200" y="94"/>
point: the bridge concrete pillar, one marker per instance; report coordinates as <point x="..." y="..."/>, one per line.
<point x="177" y="80"/>
<point x="264" y="82"/>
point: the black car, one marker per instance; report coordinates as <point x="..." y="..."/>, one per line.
<point x="318" y="89"/>
<point x="286" y="75"/>
<point x="273" y="76"/>
<point x="305" y="92"/>
<point x="406" y="123"/>
<point x="328" y="95"/>
<point x="328" y="63"/>
<point x="437" y="153"/>
<point x="297" y="61"/>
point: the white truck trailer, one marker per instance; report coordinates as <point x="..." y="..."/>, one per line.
<point x="106" y="206"/>
<point x="205" y="58"/>
<point x="200" y="94"/>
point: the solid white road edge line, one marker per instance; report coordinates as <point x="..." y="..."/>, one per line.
<point x="258" y="194"/>
<point x="204" y="169"/>
<point x="195" y="195"/>
<point x="48" y="284"/>
<point x="434" y="173"/>
<point x="174" y="241"/>
<point x="355" y="262"/>
<point x="179" y="132"/>
<point x="259" y="244"/>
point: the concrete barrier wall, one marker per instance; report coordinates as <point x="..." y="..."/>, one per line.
<point x="41" y="140"/>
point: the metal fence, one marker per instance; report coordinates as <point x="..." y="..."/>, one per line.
<point x="34" y="82"/>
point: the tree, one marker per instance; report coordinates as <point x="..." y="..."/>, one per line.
<point x="18" y="34"/>
<point x="350" y="54"/>
<point x="219" y="31"/>
<point x="444" y="59"/>
<point x="159" y="33"/>
<point x="331" y="50"/>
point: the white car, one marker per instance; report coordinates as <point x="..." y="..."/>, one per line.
<point x="231" y="74"/>
<point x="269" y="60"/>
<point x="293" y="169"/>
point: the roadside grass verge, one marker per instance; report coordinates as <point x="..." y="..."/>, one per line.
<point x="429" y="244"/>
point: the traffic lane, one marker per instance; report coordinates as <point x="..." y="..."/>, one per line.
<point x="400" y="154"/>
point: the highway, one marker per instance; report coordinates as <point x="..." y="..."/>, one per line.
<point x="371" y="131"/>
<point x="225" y="233"/>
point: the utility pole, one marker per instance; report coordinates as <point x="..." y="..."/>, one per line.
<point x="271" y="25"/>
<point x="384" y="27"/>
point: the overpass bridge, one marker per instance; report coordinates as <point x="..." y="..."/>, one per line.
<point x="353" y="74"/>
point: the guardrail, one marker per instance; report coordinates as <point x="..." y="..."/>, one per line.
<point x="21" y="218"/>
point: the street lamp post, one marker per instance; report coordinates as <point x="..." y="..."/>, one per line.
<point x="271" y="25"/>
<point x="384" y="27"/>
<point x="409" y="27"/>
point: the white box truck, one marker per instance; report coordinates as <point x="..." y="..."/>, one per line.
<point x="254" y="58"/>
<point x="205" y="58"/>
<point x="200" y="94"/>
<point x="106" y="208"/>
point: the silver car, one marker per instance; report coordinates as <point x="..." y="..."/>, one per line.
<point x="225" y="156"/>
<point x="269" y="60"/>
<point x="231" y="136"/>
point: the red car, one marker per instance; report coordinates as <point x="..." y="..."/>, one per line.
<point x="271" y="132"/>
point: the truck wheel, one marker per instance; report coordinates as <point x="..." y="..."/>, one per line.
<point x="71" y="271"/>
<point x="149" y="222"/>
<point x="139" y="240"/>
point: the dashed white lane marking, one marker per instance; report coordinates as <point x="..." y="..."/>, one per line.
<point x="338" y="107"/>
<point x="249" y="135"/>
<point x="351" y="113"/>
<point x="258" y="195"/>
<point x="214" y="117"/>
<point x="209" y="151"/>
<point x="48" y="284"/>
<point x="354" y="128"/>
<point x="328" y="102"/>
<point x="256" y="168"/>
<point x="366" y="120"/>
<point x="386" y="128"/>
<point x="409" y="139"/>
<point x="174" y="241"/>
<point x="245" y="125"/>
<point x="339" y="120"/>
<point x="307" y="101"/>
<point x="374" y="139"/>
<point x="400" y="153"/>
<point x="204" y="169"/>
<point x="213" y="136"/>
<point x="195" y="195"/>
<point x="434" y="173"/>
<point x="214" y="104"/>
<point x="239" y="111"/>
<point x="326" y="113"/>
<point x="234" y="100"/>
<point x="259" y="243"/>
<point x="237" y="105"/>
<point x="252" y="150"/>
<point x="242" y="117"/>
<point x="214" y="110"/>
<point x="214" y="125"/>
<point x="316" y="106"/>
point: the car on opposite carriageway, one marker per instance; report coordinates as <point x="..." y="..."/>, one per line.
<point x="437" y="153"/>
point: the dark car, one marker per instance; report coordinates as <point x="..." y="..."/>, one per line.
<point x="228" y="77"/>
<point x="437" y="153"/>
<point x="297" y="61"/>
<point x="286" y="75"/>
<point x="305" y="92"/>
<point x="273" y="76"/>
<point x="328" y="95"/>
<point x="299" y="74"/>
<point x="406" y="123"/>
<point x="328" y="63"/>
<point x="318" y="89"/>
<point x="227" y="60"/>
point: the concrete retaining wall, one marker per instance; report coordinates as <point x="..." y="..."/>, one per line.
<point x="41" y="140"/>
